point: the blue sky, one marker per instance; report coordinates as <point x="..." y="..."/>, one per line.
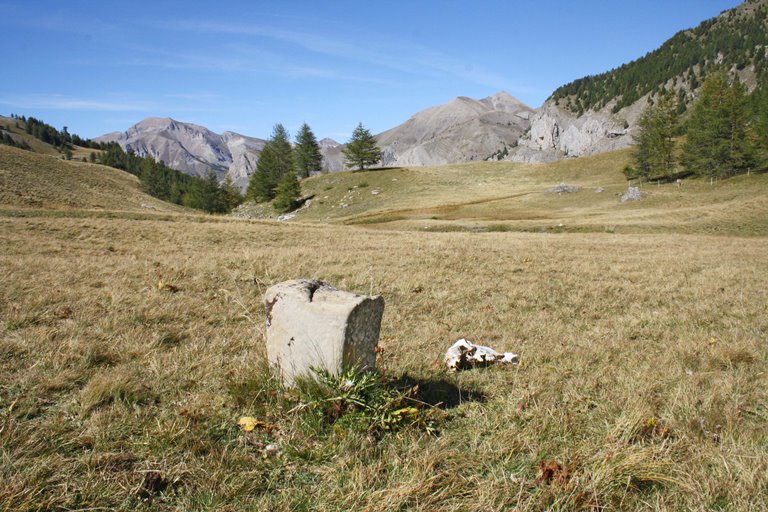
<point x="101" y="66"/>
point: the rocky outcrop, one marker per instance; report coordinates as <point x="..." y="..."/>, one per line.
<point x="245" y="153"/>
<point x="557" y="133"/>
<point x="191" y="148"/>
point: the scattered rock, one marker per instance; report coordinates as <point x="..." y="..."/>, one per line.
<point x="271" y="450"/>
<point x="563" y="188"/>
<point x="312" y="325"/>
<point x="286" y="216"/>
<point x="632" y="194"/>
<point x="599" y="190"/>
<point x="464" y="355"/>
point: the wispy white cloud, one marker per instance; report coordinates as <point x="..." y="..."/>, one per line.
<point x="246" y="59"/>
<point x="60" y="102"/>
<point x="394" y="55"/>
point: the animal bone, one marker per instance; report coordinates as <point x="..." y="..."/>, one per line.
<point x="465" y="355"/>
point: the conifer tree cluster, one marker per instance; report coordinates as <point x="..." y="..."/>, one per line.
<point x="721" y="139"/>
<point x="735" y="40"/>
<point x="281" y="165"/>
<point x="726" y="134"/>
<point x="657" y="127"/>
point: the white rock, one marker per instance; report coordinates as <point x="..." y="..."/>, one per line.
<point x="271" y="450"/>
<point x="632" y="194"/>
<point x="310" y="324"/>
<point x="556" y="132"/>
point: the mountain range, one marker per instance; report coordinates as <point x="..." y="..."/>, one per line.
<point x="588" y="116"/>
<point x="192" y="148"/>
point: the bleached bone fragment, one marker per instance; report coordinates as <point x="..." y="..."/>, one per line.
<point x="464" y="355"/>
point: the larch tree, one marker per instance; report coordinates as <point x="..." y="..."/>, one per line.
<point x="287" y="193"/>
<point x="306" y="153"/>
<point x="654" y="152"/>
<point x="362" y="150"/>
<point x="719" y="140"/>
<point x="275" y="160"/>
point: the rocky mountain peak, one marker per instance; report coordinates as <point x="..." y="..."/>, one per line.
<point x="463" y="129"/>
<point x="192" y="148"/>
<point x="505" y="102"/>
<point x="328" y="143"/>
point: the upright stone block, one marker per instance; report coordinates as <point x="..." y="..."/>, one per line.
<point x="311" y="324"/>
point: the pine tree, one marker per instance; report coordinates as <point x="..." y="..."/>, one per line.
<point x="287" y="193"/>
<point x="654" y="152"/>
<point x="361" y="150"/>
<point x="275" y="160"/>
<point x="306" y="153"/>
<point x="761" y="124"/>
<point x="206" y="195"/>
<point x="262" y="183"/>
<point x="719" y="140"/>
<point x="230" y="194"/>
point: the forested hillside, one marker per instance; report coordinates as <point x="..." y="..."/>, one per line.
<point x="736" y="42"/>
<point x="156" y="178"/>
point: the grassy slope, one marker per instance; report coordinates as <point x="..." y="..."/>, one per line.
<point x="504" y="196"/>
<point x="644" y="364"/>
<point x="36" y="145"/>
<point x="39" y="181"/>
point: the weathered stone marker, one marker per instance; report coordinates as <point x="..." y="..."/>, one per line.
<point x="311" y="324"/>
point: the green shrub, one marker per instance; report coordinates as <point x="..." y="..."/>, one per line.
<point x="361" y="401"/>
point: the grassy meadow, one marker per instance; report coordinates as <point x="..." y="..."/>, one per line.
<point x="505" y="196"/>
<point x="132" y="341"/>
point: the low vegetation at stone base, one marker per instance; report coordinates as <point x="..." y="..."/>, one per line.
<point x="130" y="349"/>
<point x="364" y="401"/>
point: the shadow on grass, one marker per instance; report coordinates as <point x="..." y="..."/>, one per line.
<point x="374" y="169"/>
<point x="437" y="392"/>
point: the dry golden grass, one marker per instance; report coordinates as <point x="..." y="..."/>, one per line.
<point x="35" y="181"/>
<point x="38" y="146"/>
<point x="642" y="384"/>
<point x="504" y="196"/>
<point x="131" y="343"/>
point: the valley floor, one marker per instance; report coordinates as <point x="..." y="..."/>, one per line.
<point x="132" y="345"/>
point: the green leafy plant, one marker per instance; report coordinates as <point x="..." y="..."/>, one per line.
<point x="362" y="401"/>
